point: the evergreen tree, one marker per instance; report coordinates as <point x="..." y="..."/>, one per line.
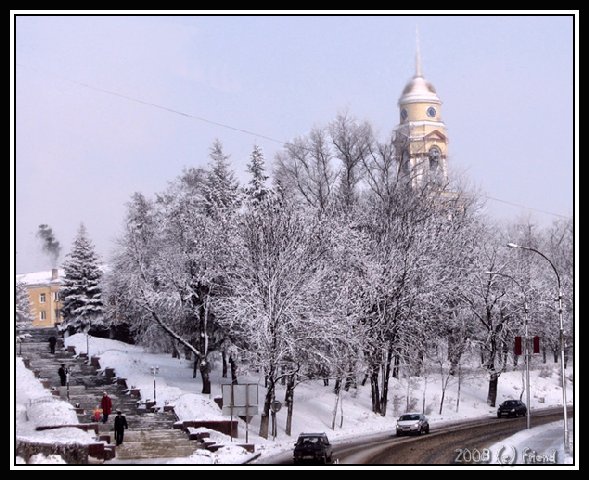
<point x="81" y="292"/>
<point x="256" y="167"/>
<point x="222" y="189"/>
<point x="24" y="316"/>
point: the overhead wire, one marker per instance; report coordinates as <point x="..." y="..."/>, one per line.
<point x="235" y="129"/>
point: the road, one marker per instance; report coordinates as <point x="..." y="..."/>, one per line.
<point x="440" y="446"/>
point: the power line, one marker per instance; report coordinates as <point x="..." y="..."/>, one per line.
<point x="523" y="206"/>
<point x="232" y="128"/>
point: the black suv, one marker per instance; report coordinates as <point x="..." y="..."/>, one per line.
<point x="312" y="447"/>
<point x="512" y="408"/>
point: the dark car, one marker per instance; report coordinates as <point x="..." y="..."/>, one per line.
<point x="512" y="408"/>
<point x="412" y="423"/>
<point x="312" y="447"/>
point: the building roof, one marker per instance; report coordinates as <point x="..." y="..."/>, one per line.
<point x="40" y="278"/>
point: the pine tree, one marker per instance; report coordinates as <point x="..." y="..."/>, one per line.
<point x="81" y="292"/>
<point x="221" y="190"/>
<point x="24" y="316"/>
<point x="257" y="189"/>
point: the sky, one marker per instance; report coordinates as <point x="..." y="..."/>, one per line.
<point x="83" y="146"/>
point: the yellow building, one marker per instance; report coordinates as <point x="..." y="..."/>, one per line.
<point x="43" y="289"/>
<point x="421" y="136"/>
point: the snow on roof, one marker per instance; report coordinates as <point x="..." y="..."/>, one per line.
<point x="44" y="278"/>
<point x="40" y="278"/>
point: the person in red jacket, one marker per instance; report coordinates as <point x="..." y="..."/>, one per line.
<point x="106" y="404"/>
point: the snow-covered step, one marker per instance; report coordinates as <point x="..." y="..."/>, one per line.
<point x="155" y="444"/>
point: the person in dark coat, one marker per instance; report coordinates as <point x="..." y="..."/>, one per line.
<point x="120" y="425"/>
<point x="106" y="405"/>
<point x="52" y="342"/>
<point x="62" y="372"/>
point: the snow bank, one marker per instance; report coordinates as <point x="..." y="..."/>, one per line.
<point x="49" y="459"/>
<point x="36" y="407"/>
<point x="538" y="445"/>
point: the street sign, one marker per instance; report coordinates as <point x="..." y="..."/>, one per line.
<point x="240" y="400"/>
<point x="276" y="406"/>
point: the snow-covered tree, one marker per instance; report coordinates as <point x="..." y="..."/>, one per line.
<point x="81" y="291"/>
<point x="256" y="167"/>
<point x="24" y="315"/>
<point x="272" y="289"/>
<point x="222" y="190"/>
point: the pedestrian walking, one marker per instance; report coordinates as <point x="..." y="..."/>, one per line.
<point x="106" y="404"/>
<point x="63" y="374"/>
<point x="52" y="343"/>
<point x="120" y="426"/>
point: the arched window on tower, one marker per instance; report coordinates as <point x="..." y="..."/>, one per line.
<point x="435" y="161"/>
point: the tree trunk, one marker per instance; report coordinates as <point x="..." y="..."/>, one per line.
<point x="396" y="367"/>
<point x="492" y="394"/>
<point x="224" y="359"/>
<point x="555" y="355"/>
<point x="459" y="384"/>
<point x="365" y="379"/>
<point x="233" y="366"/>
<point x="264" y="420"/>
<point x="385" y="382"/>
<point x="289" y="400"/>
<point x="374" y="388"/>
<point x="205" y="375"/>
<point x="543" y="354"/>
<point x="337" y="386"/>
<point x="195" y="366"/>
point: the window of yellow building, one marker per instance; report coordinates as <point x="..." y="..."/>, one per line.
<point x="42" y="315"/>
<point x="41" y="298"/>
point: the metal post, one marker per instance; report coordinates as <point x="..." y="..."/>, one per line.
<point x="247" y="409"/>
<point x="562" y="370"/>
<point x="527" y="362"/>
<point x="561" y="335"/>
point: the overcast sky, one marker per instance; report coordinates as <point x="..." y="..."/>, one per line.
<point x="506" y="84"/>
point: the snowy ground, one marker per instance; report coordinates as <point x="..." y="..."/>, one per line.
<point x="540" y="445"/>
<point x="314" y="403"/>
<point x="35" y="407"/>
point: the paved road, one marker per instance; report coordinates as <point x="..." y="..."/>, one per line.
<point x="437" y="448"/>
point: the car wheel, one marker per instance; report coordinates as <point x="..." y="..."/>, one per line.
<point x="427" y="429"/>
<point x="498" y="415"/>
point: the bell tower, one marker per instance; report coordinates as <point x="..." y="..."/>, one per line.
<point x="421" y="136"/>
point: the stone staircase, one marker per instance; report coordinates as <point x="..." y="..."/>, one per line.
<point x="150" y="434"/>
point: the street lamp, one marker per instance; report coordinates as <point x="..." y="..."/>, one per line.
<point x="526" y="343"/>
<point x="561" y="325"/>
<point x="154" y="370"/>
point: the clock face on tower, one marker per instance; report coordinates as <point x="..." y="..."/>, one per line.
<point x="431" y="112"/>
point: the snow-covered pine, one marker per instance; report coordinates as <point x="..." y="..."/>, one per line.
<point x="256" y="167"/>
<point x="221" y="190"/>
<point x="81" y="291"/>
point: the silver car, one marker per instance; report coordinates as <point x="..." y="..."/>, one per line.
<point x="412" y="424"/>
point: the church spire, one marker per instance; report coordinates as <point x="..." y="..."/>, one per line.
<point x="418" y="72"/>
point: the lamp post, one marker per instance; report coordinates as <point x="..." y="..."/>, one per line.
<point x="561" y="326"/>
<point x="526" y="343"/>
<point x="154" y="371"/>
